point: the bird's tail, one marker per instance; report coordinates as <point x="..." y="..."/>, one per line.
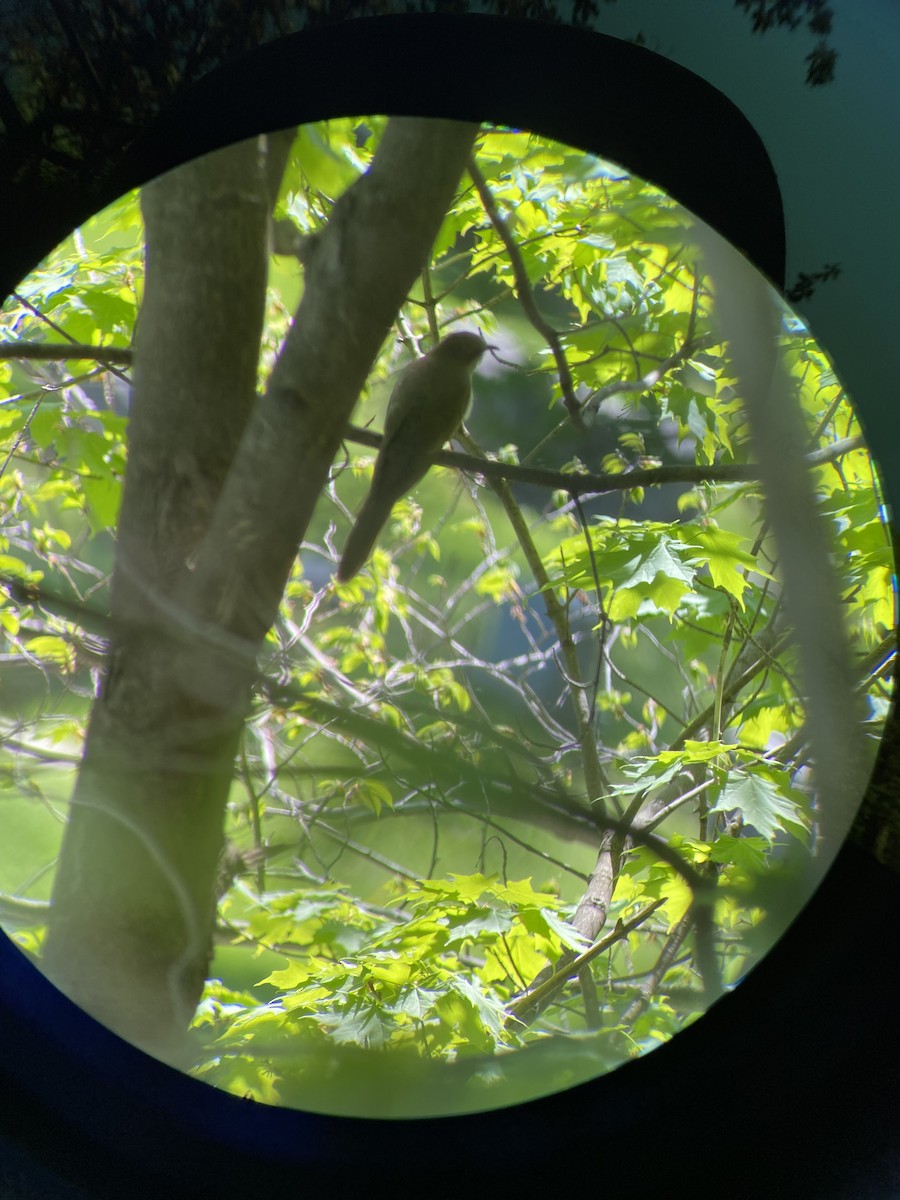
<point x="373" y="514"/>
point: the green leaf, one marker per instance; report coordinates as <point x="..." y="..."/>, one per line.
<point x="54" y="650"/>
<point x="764" y="798"/>
<point x="642" y="564"/>
<point x="720" y="550"/>
<point x="373" y="794"/>
<point x="695" y="752"/>
<point x="103" y="497"/>
<point x="746" y="852"/>
<point x="364" y="1026"/>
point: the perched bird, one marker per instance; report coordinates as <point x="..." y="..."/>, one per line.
<point x="426" y="408"/>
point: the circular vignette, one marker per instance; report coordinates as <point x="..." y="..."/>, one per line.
<point x="645" y="106"/>
<point x="60" y="1055"/>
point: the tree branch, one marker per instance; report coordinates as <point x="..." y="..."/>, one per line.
<point x="525" y="293"/>
<point x="530" y="1004"/>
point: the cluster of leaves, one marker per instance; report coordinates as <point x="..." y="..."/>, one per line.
<point x="377" y="978"/>
<point x="412" y="745"/>
<point x="431" y="978"/>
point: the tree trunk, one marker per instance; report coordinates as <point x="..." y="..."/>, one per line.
<point x="219" y="491"/>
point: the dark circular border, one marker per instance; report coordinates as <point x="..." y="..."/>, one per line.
<point x="775" y="1089"/>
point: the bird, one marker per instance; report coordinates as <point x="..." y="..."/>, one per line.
<point x="426" y="408"/>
